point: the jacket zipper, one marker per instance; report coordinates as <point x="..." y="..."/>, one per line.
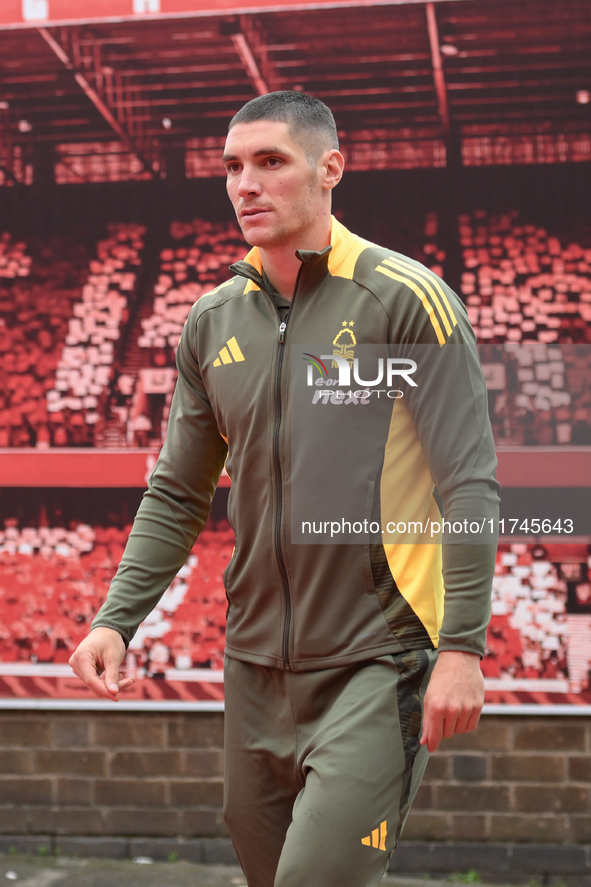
<point x="278" y="472"/>
<point x="279" y="476"/>
<point x="278" y="514"/>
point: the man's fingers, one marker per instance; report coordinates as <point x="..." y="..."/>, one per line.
<point x="84" y="666"/>
<point x="108" y="688"/>
<point x="111" y="677"/>
<point x="473" y="721"/>
<point x="454" y="698"/>
<point x="433" y="740"/>
<point x="97" y="662"/>
<point x="468" y="721"/>
<point x="446" y="725"/>
<point x="443" y="724"/>
<point x="99" y="688"/>
<point x="432" y="731"/>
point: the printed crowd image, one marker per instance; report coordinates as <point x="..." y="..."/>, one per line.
<point x="88" y="360"/>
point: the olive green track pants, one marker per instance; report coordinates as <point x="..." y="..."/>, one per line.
<point x="322" y="768"/>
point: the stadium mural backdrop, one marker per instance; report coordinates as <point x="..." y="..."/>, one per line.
<point x="54" y="577"/>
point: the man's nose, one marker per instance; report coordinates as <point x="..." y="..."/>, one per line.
<point x="248" y="183"/>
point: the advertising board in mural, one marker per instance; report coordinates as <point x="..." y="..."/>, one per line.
<point x="53" y="580"/>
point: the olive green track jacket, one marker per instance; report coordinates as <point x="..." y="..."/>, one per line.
<point x="304" y="605"/>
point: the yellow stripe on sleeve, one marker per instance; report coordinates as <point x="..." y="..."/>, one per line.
<point x="419" y="292"/>
<point x="422" y="277"/>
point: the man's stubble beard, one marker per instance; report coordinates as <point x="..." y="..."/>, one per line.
<point x="282" y="235"/>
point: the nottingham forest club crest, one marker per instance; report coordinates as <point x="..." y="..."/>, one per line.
<point x="344" y="343"/>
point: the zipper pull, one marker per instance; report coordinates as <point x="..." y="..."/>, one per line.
<point x="282" y="328"/>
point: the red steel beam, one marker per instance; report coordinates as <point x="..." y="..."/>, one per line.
<point x="438" y="75"/>
<point x="94" y="97"/>
<point x="248" y="60"/>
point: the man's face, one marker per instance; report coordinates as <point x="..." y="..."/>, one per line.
<point x="275" y="189"/>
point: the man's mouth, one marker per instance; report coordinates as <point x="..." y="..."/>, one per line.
<point x="252" y="211"/>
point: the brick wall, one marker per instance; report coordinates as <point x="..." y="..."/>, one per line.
<point x="91" y="773"/>
<point x="118" y="777"/>
<point x="516" y="779"/>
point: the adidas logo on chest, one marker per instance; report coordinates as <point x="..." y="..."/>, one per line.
<point x="230" y="353"/>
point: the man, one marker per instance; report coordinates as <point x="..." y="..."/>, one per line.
<point x="329" y="648"/>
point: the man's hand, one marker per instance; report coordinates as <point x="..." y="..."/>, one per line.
<point x="97" y="662"/>
<point x="454" y="697"/>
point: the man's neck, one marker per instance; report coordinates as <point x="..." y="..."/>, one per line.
<point x="281" y="268"/>
<point x="282" y="265"/>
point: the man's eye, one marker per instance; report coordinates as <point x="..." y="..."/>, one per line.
<point x="273" y="161"/>
<point x="232" y="167"/>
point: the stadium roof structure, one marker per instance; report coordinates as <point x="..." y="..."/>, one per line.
<point x="144" y="82"/>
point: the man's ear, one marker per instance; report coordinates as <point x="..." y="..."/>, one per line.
<point x="332" y="165"/>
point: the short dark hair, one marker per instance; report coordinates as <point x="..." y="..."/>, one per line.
<point x="308" y="118"/>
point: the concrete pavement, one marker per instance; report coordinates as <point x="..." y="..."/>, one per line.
<point x="28" y="871"/>
<point x="32" y="871"/>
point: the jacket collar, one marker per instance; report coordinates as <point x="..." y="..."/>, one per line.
<point x="342" y="245"/>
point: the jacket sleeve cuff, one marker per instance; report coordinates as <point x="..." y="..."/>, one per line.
<point x="459" y="648"/>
